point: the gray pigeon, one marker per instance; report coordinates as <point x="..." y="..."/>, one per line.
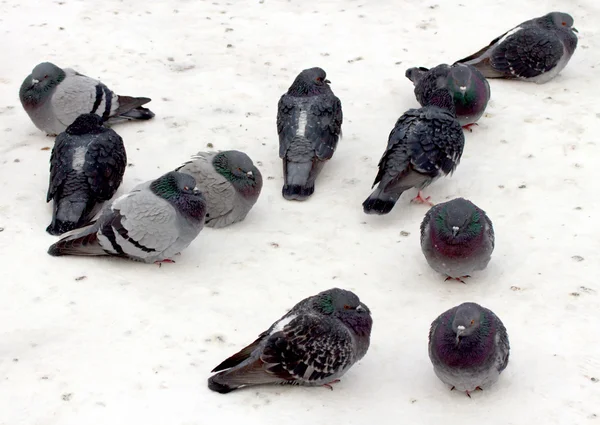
<point x="54" y="97"/>
<point x="152" y="223"/>
<point x="229" y="182"/>
<point x="315" y="343"/>
<point x="536" y="50"/>
<point x="468" y="87"/>
<point x="309" y="123"/>
<point x="469" y="348"/>
<point x="457" y="238"/>
<point x="86" y="168"/>
<point x="425" y="144"/>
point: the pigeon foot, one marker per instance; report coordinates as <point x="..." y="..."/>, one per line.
<point x="329" y="385"/>
<point x="460" y="279"/>
<point x="420" y="200"/>
<point x="468" y="126"/>
<point x="166" y="260"/>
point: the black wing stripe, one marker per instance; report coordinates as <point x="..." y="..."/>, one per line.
<point x="98" y="98"/>
<point x="108" y="102"/>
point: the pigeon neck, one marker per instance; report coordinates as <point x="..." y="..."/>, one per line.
<point x="300" y="89"/>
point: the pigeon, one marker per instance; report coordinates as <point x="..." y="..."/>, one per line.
<point x="536" y="50"/>
<point x="54" y="97"/>
<point x="469" y="348"/>
<point x="86" y="168"/>
<point x="152" y="223"/>
<point x="425" y="144"/>
<point x="468" y="87"/>
<point x="457" y="238"/>
<point x="229" y="182"/>
<point x="309" y="123"/>
<point x="314" y="344"/>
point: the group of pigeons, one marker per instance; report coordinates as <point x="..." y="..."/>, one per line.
<point x="320" y="338"/>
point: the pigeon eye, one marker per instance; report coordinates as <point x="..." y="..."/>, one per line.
<point x="347" y="307"/>
<point x="472" y="322"/>
<point x="564" y="24"/>
<point x="319" y="79"/>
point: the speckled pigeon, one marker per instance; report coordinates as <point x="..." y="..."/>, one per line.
<point x="54" y="97"/>
<point x="536" y="50"/>
<point x="309" y="123"/>
<point x="229" y="182"/>
<point x="152" y="223"/>
<point x="425" y="144"/>
<point x="315" y="343"/>
<point x="469" y="348"/>
<point x="86" y="168"/>
<point x="468" y="87"/>
<point x="457" y="238"/>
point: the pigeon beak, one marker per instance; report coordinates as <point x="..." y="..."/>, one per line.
<point x="34" y="81"/>
<point x="575" y="29"/>
<point x="462" y="89"/>
<point x="328" y="82"/>
<point x="459" y="332"/>
<point x="361" y="308"/>
<point x="250" y="174"/>
<point x="455" y="230"/>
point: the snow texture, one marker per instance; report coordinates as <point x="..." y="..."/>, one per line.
<point x="107" y="341"/>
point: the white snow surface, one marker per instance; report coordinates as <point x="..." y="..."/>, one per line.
<point x="134" y="343"/>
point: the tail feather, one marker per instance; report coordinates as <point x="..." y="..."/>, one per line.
<point x="380" y="202"/>
<point x="415" y="74"/>
<point x="299" y="179"/>
<point x="82" y="241"/>
<point x="481" y="61"/>
<point x="131" y="108"/>
<point x="70" y="213"/>
<point x="232" y="379"/>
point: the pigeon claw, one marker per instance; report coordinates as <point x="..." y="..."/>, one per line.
<point x="329" y="384"/>
<point x="420" y="200"/>
<point x="166" y="260"/>
<point x="468" y="126"/>
<point x="460" y="279"/>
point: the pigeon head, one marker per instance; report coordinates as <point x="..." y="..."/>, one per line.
<point x="310" y="82"/>
<point x="458" y="221"/>
<point x="559" y="20"/>
<point x="470" y="90"/>
<point x="86" y="124"/>
<point x="462" y="84"/>
<point x="179" y="190"/>
<point x="467" y="320"/>
<point x="238" y="168"/>
<point x="346" y="307"/>
<point x="442" y="99"/>
<point x="39" y="84"/>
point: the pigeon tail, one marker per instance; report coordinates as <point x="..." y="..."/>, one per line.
<point x="58" y="227"/>
<point x="218" y="383"/>
<point x="251" y="373"/>
<point x="82" y="241"/>
<point x="380" y="202"/>
<point x="131" y="108"/>
<point x="415" y="74"/>
<point x="300" y="179"/>
<point x="71" y="213"/>
<point x="481" y="61"/>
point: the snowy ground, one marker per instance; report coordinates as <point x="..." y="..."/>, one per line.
<point x="88" y="341"/>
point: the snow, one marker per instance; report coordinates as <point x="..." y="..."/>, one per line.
<point x="106" y="341"/>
